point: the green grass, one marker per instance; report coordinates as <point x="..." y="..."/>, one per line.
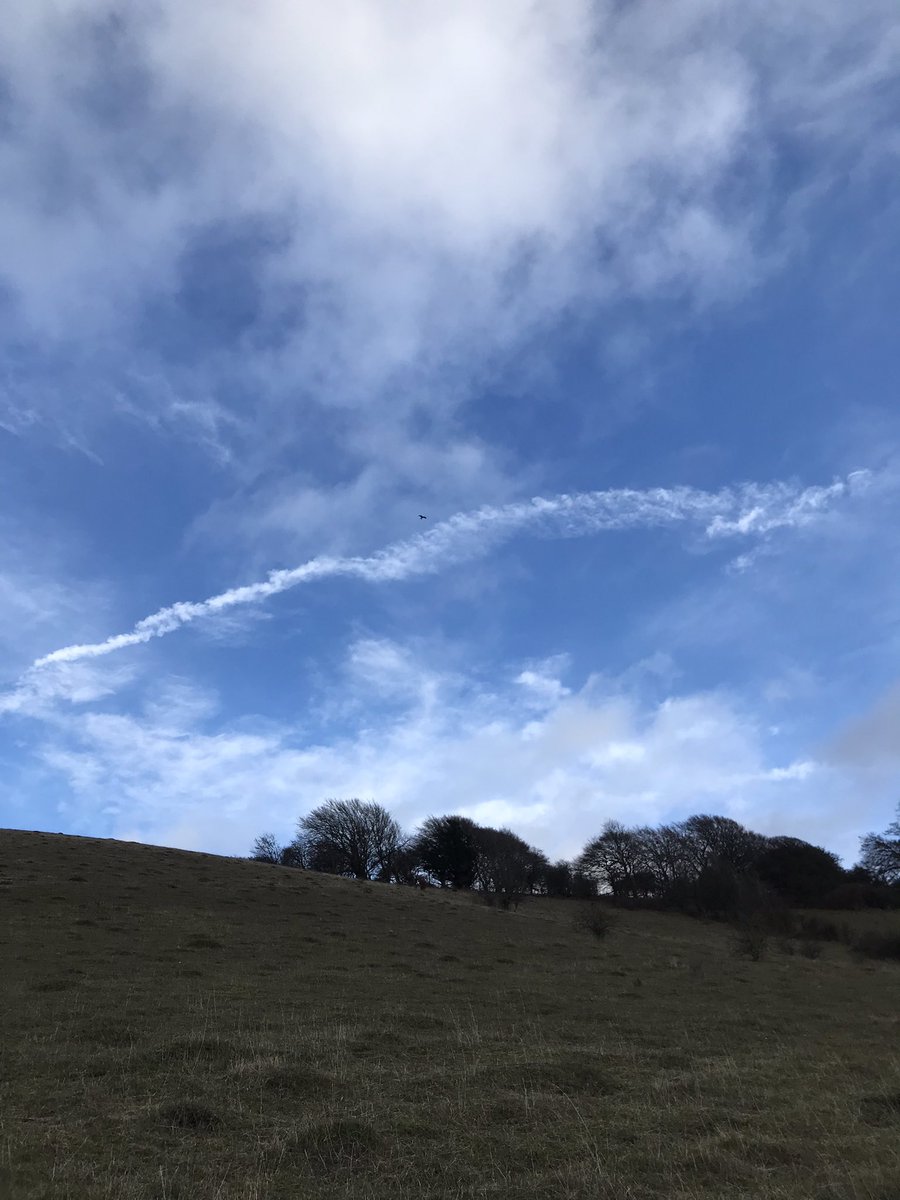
<point x="181" y="1027"/>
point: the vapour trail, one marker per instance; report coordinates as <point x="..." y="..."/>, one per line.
<point x="732" y="512"/>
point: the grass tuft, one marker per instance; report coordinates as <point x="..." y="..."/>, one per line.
<point x="190" y="1115"/>
<point x="878" y="945"/>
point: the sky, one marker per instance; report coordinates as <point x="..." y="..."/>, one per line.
<point x="606" y="290"/>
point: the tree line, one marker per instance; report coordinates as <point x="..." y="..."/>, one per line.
<point x="705" y="865"/>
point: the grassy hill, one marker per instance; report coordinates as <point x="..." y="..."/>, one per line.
<point x="180" y="1026"/>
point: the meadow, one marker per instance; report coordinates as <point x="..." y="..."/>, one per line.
<point x="180" y="1026"/>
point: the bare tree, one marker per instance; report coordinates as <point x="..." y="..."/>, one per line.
<point x="880" y="854"/>
<point x="266" y="849"/>
<point x="295" y="854"/>
<point x="388" y="842"/>
<point x="617" y="859"/>
<point x="711" y="838"/>
<point x="667" y="853"/>
<point x="351" y="837"/>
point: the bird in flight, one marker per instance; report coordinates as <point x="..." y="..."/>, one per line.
<point x="422" y="517"/>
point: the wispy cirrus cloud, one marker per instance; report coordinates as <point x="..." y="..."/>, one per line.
<point x="742" y="511"/>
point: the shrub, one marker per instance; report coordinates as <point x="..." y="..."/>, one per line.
<point x="595" y="920"/>
<point x="776" y="920"/>
<point x="860" y="895"/>
<point x="878" y="945"/>
<point x="820" y="929"/>
<point x="750" y="941"/>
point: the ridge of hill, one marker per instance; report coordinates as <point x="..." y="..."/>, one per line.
<point x="178" y="1025"/>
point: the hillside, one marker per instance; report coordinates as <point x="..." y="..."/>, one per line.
<point x="180" y="1026"/>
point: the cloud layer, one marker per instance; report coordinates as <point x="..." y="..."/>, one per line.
<point x="368" y="203"/>
<point x="551" y="760"/>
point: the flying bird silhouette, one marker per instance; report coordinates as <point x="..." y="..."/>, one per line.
<point x="422" y="518"/>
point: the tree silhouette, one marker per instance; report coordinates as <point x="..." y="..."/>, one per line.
<point x="447" y="849"/>
<point x="880" y="854"/>
<point x="351" y="837"/>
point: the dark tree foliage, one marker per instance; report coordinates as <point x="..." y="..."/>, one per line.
<point x="716" y="889"/>
<point x="447" y="849"/>
<point x="296" y="854"/>
<point x="562" y="880"/>
<point x="583" y="886"/>
<point x="799" y="872"/>
<point x="667" y="853"/>
<point x="406" y="868"/>
<point x="351" y="837"/>
<point x="558" y="878"/>
<point x="855" y="894"/>
<point x="722" y="840"/>
<point x="708" y="865"/>
<point x="617" y="860"/>
<point x="266" y="849"/>
<point x="507" y="866"/>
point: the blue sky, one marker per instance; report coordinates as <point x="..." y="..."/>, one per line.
<point x="608" y="291"/>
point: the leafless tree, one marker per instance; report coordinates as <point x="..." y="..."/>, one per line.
<point x="266" y="849"/>
<point x="617" y="859"/>
<point x="880" y="854"/>
<point x="351" y="837"/>
<point x="721" y="839"/>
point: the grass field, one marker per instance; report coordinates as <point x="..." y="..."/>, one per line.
<point x="180" y="1027"/>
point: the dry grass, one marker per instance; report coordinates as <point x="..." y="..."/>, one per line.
<point x="182" y="1027"/>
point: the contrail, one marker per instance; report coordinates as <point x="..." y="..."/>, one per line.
<point x="732" y="512"/>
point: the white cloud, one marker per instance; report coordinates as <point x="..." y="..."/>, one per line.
<point x="38" y="693"/>
<point x="433" y="181"/>
<point x="469" y="534"/>
<point x="544" y="687"/>
<point x="555" y="776"/>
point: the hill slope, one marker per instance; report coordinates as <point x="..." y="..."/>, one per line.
<point x="185" y="1026"/>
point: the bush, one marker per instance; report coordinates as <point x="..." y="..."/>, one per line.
<point x="859" y="895"/>
<point x="750" y="941"/>
<point x="820" y="929"/>
<point x="878" y="945"/>
<point x="776" y="920"/>
<point x="595" y="920"/>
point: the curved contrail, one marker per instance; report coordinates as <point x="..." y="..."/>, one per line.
<point x="739" y="511"/>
